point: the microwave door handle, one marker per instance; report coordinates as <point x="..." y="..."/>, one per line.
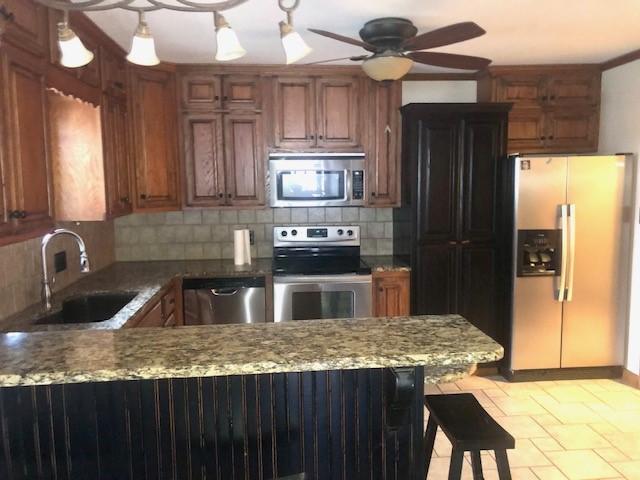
<point x="564" y="228"/>
<point x="348" y="189"/>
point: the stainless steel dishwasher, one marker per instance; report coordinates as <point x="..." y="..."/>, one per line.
<point x="220" y="301"/>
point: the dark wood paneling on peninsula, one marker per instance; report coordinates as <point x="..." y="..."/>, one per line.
<point x="330" y="425"/>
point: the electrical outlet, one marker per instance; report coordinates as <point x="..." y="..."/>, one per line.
<point x="60" y="261"/>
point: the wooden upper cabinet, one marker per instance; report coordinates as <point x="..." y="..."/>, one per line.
<point x="338" y="107"/>
<point x="28" y="28"/>
<point x="245" y="158"/>
<point x="201" y="92"/>
<point x="294" y="112"/>
<point x="576" y="89"/>
<point x="204" y="159"/>
<point x="555" y="109"/>
<point x="241" y="92"/>
<point x="383" y="150"/>
<point x="523" y="90"/>
<point x="572" y="130"/>
<point x="26" y="153"/>
<point x="154" y="116"/>
<point x="391" y="294"/>
<point x="117" y="153"/>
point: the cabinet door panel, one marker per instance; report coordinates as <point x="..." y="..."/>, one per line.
<point x="116" y="155"/>
<point x="155" y="139"/>
<point x="391" y="294"/>
<point x="201" y="92"/>
<point x="294" y="112"/>
<point x="383" y="156"/>
<point x="242" y="92"/>
<point x="28" y="153"/>
<point x="573" y="130"/>
<point x="338" y="109"/>
<point x="524" y="90"/>
<point x="526" y="131"/>
<point x="113" y="70"/>
<point x="204" y="160"/>
<point x="482" y="153"/>
<point x="434" y="278"/>
<point x="28" y="28"/>
<point x="438" y="177"/>
<point x="479" y="296"/>
<point x="245" y="157"/>
<point x="574" y="89"/>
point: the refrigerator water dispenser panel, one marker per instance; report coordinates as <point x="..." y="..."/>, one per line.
<point x="539" y="253"/>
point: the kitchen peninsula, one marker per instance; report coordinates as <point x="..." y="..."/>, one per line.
<point x="330" y="398"/>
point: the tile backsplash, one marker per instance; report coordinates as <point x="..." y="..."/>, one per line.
<point x="200" y="234"/>
<point x="21" y="268"/>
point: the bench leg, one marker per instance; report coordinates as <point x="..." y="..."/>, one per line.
<point x="476" y="465"/>
<point x="455" y="467"/>
<point x="503" y="465"/>
<point x="429" y="440"/>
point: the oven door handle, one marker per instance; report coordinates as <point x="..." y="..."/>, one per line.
<point x="316" y="279"/>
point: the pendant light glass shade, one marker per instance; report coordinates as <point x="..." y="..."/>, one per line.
<point x="295" y="48"/>
<point x="387" y="67"/>
<point x="143" y="47"/>
<point x="229" y="47"/>
<point x="73" y="53"/>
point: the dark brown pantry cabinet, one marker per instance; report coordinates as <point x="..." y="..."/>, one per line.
<point x="454" y="222"/>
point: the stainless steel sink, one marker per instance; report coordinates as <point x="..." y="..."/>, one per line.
<point x="92" y="308"/>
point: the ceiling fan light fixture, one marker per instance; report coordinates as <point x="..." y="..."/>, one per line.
<point x="73" y="53"/>
<point x="387" y="67"/>
<point x="143" y="47"/>
<point x="295" y="48"/>
<point x="229" y="47"/>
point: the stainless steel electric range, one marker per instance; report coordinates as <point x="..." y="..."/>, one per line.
<point x="318" y="273"/>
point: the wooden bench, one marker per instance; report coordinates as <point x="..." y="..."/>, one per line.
<point x="469" y="428"/>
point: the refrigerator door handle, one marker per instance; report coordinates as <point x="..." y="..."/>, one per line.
<point x="564" y="227"/>
<point x="572" y="252"/>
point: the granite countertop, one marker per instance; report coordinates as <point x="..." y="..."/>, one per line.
<point x="442" y="344"/>
<point x="146" y="279"/>
<point x="386" y="264"/>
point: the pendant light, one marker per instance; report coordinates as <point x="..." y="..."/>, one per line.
<point x="73" y="53"/>
<point x="229" y="47"/>
<point x="143" y="47"/>
<point x="295" y="48"/>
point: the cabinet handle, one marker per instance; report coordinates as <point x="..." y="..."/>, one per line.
<point x="465" y="242"/>
<point x="552" y="97"/>
<point x="221" y="195"/>
<point x="544" y="98"/>
<point x="23" y="214"/>
<point x="225" y="98"/>
<point x="550" y="137"/>
<point x="143" y="196"/>
<point x="543" y="138"/>
<point x="217" y="97"/>
<point x="229" y="195"/>
<point x="320" y="137"/>
<point x="14" y="214"/>
<point x="381" y="289"/>
<point x="124" y="199"/>
<point x="453" y="242"/>
<point x="373" y="194"/>
<point x="118" y="85"/>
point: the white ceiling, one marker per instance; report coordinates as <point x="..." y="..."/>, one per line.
<point x="518" y="31"/>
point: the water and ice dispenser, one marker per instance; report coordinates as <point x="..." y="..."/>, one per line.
<point x="539" y="253"/>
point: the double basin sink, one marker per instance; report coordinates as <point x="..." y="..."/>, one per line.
<point x="92" y="308"/>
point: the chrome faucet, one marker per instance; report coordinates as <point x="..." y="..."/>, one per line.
<point x="84" y="260"/>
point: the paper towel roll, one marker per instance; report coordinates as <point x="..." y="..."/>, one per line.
<point x="241" y="247"/>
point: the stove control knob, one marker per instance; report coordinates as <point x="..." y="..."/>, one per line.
<point x="294" y="232"/>
<point x="350" y="233"/>
<point x="340" y="231"/>
<point x="284" y="233"/>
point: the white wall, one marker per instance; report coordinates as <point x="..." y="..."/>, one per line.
<point x="620" y="132"/>
<point x="454" y="91"/>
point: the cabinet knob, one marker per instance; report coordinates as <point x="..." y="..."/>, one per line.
<point x="217" y="97"/>
<point x="229" y="195"/>
<point x="221" y="195"/>
<point x="14" y="214"/>
<point x="124" y="199"/>
<point x="5" y="13"/>
<point x="373" y="194"/>
<point x="544" y="98"/>
<point x="552" y="97"/>
<point x="543" y="138"/>
<point x="225" y="98"/>
<point x="320" y="137"/>
<point x="23" y="214"/>
<point x="381" y="289"/>
<point x="465" y="242"/>
<point x="143" y="196"/>
<point x="550" y="137"/>
<point x="452" y="242"/>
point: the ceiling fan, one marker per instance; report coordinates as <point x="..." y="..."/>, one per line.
<point x="394" y="45"/>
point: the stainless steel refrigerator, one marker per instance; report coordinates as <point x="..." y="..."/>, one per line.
<point x="572" y="253"/>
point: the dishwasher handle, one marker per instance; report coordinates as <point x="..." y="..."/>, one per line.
<point x="224" y="292"/>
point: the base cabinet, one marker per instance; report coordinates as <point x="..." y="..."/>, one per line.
<point x="391" y="294"/>
<point x="166" y="312"/>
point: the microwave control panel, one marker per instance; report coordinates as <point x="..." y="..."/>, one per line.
<point x="357" y="184"/>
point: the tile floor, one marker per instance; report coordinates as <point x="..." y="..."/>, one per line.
<point x="564" y="430"/>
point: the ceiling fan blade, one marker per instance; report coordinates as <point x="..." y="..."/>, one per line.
<point x="450" y="60"/>
<point x="341" y="38"/>
<point x="458" y="32"/>
<point x="353" y="59"/>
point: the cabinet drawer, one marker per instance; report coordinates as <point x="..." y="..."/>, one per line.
<point x="153" y="318"/>
<point x="241" y="92"/>
<point x="201" y="92"/>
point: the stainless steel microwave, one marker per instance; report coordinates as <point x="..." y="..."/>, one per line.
<point x="316" y="180"/>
